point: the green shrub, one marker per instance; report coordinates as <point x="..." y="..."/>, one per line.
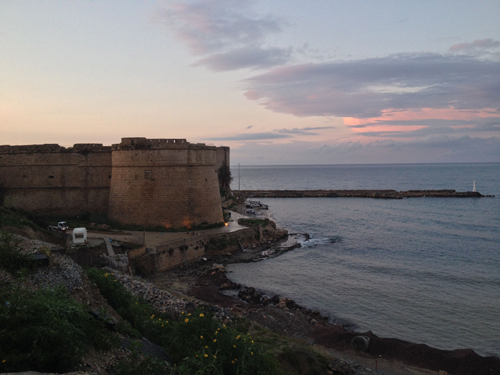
<point x="196" y="342"/>
<point x="134" y="310"/>
<point x="138" y="364"/>
<point x="254" y="222"/>
<point x="200" y="344"/>
<point x="46" y="330"/>
<point x="11" y="257"/>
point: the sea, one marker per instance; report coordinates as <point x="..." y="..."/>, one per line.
<point x="425" y="270"/>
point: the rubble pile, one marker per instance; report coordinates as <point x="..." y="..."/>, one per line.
<point x="30" y="245"/>
<point x="162" y="300"/>
<point x="64" y="272"/>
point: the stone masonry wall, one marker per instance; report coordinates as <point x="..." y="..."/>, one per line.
<point x="169" y="184"/>
<point x="50" y="179"/>
<point x="147" y="182"/>
<point x="173" y="253"/>
<point x="223" y="156"/>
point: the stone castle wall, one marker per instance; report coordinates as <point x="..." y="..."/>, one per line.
<point x="148" y="182"/>
<point x="50" y="179"/>
<point x="168" y="184"/>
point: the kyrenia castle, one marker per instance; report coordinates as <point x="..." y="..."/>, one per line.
<point x="147" y="182"/>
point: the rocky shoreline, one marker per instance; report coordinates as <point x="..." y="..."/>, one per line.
<point x="207" y="281"/>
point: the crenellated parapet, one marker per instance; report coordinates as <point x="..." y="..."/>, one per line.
<point x="54" y="148"/>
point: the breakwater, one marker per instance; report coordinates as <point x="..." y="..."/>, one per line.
<point x="381" y="194"/>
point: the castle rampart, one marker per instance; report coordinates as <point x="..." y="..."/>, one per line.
<point x="171" y="184"/>
<point x="50" y="179"/>
<point x="148" y="182"/>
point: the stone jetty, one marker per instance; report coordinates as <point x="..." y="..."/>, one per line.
<point x="382" y="194"/>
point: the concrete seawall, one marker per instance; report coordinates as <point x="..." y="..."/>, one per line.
<point x="381" y="194"/>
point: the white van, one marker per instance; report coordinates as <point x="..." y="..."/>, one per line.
<point x="79" y="236"/>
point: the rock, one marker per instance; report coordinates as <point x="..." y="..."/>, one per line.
<point x="340" y="367"/>
<point x="282" y="303"/>
<point x="219" y="267"/>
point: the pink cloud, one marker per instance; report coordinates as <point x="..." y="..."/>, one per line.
<point x="391" y="115"/>
<point x="388" y="128"/>
<point x="477" y="44"/>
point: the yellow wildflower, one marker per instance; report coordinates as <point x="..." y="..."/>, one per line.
<point x="251" y="353"/>
<point x="215" y="356"/>
<point x="201" y="337"/>
<point x="238" y="337"/>
<point x="182" y="312"/>
<point x="234" y="346"/>
<point x="201" y="315"/>
<point x="186" y="320"/>
<point x="205" y="355"/>
<point x="215" y="340"/>
<point x="152" y="316"/>
<point x="189" y="314"/>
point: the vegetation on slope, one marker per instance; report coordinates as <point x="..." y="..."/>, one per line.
<point x="46" y="330"/>
<point x="196" y="342"/>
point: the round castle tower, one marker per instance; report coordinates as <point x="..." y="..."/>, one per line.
<point x="164" y="182"/>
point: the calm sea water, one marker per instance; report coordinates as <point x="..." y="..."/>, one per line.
<point x="426" y="270"/>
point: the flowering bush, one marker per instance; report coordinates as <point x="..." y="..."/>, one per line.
<point x="196" y="342"/>
<point x="203" y="345"/>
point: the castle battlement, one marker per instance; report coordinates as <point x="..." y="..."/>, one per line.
<point x="148" y="182"/>
<point x="54" y="148"/>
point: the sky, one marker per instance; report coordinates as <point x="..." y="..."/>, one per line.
<point x="280" y="82"/>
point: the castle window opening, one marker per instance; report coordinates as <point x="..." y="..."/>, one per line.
<point x="147" y="175"/>
<point x="51" y="177"/>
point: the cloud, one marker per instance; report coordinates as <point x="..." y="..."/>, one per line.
<point x="435" y="149"/>
<point x="365" y="88"/>
<point x="304" y="131"/>
<point x="250" y="137"/>
<point x="276" y="134"/>
<point x="478" y="44"/>
<point x="248" y="57"/>
<point x="227" y="33"/>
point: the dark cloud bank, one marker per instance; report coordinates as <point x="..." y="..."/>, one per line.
<point x="364" y="88"/>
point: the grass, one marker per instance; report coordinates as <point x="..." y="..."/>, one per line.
<point x="253" y="222"/>
<point x="46" y="330"/>
<point x="11" y="258"/>
<point x="220" y="243"/>
<point x="196" y="342"/>
<point x="17" y="219"/>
